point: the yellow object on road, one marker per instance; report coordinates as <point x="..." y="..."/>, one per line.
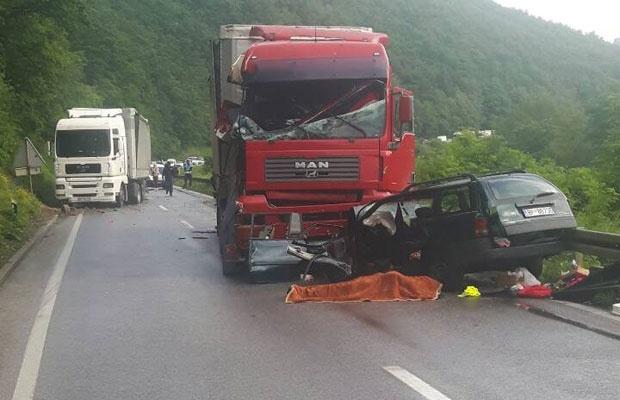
<point x="470" y="291"/>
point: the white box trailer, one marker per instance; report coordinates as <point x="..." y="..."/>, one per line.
<point x="102" y="155"/>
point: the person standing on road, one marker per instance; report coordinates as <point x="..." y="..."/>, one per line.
<point x="187" y="168"/>
<point x="155" y="174"/>
<point x="168" y="175"/>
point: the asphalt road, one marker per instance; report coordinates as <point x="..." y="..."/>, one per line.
<point x="143" y="312"/>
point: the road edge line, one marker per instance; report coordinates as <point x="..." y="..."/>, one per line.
<point x="31" y="362"/>
<point x="20" y="254"/>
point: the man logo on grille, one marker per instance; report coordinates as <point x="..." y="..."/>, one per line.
<point x="312" y="173"/>
<point x="311" y="165"/>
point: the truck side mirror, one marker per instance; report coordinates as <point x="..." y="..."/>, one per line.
<point x="405" y="110"/>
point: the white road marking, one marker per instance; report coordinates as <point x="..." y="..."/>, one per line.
<point x="187" y="224"/>
<point x="416" y="383"/>
<point x="163" y="208"/>
<point x="29" y="371"/>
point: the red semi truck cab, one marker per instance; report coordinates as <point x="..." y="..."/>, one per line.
<point x="308" y="127"/>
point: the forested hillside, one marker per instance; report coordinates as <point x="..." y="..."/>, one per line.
<point x="472" y="63"/>
<point x="548" y="90"/>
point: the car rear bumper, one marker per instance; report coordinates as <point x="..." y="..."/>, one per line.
<point x="482" y="254"/>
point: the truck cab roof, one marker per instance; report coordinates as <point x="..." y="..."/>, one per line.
<point x="90" y="123"/>
<point x="307" y="60"/>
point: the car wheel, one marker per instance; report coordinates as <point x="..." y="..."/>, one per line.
<point x="535" y="267"/>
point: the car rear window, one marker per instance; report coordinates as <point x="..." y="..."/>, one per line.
<point x="519" y="186"/>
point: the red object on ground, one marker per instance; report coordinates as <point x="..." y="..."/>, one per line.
<point x="388" y="286"/>
<point x="537" y="291"/>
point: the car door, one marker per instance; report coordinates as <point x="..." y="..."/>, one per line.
<point x="453" y="216"/>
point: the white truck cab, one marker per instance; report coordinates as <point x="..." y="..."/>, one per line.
<point x="102" y="155"/>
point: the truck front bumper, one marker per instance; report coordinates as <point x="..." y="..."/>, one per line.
<point x="88" y="189"/>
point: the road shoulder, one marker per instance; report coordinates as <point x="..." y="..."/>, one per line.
<point x="579" y="315"/>
<point x="19" y="255"/>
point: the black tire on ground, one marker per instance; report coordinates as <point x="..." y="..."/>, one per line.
<point x="535" y="267"/>
<point x="121" y="197"/>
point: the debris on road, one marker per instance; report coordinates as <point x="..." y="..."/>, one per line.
<point x="600" y="286"/>
<point x="388" y="286"/>
<point x="470" y="291"/>
<point x="536" y="291"/>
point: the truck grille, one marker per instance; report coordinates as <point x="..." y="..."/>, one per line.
<point x="319" y="169"/>
<point x="83" y="168"/>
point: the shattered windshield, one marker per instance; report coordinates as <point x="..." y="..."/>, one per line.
<point x="340" y="109"/>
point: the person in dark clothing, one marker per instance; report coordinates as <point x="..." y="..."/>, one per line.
<point x="168" y="175"/>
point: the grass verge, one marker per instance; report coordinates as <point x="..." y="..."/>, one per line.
<point x="21" y="214"/>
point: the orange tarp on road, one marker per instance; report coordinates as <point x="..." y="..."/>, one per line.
<point x="388" y="286"/>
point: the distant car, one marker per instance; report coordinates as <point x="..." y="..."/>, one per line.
<point x="472" y="223"/>
<point x="196" y="160"/>
<point x="172" y="161"/>
<point x="151" y="182"/>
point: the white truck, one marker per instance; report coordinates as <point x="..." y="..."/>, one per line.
<point x="102" y="155"/>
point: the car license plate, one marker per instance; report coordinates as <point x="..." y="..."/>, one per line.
<point x="537" y="212"/>
<point x="82" y="198"/>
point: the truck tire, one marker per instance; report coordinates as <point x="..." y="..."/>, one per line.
<point x="139" y="193"/>
<point x="121" y="197"/>
<point x="135" y="196"/>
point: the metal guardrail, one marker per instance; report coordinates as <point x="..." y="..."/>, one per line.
<point x="601" y="244"/>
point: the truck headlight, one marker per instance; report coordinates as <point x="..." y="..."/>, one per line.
<point x="108" y="185"/>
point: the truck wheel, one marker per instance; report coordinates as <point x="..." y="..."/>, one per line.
<point x="121" y="197"/>
<point x="134" y="193"/>
<point x="139" y="194"/>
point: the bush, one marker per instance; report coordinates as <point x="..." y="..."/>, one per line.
<point x="15" y="222"/>
<point x="592" y="200"/>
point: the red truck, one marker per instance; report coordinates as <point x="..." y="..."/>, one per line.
<point x="308" y="126"/>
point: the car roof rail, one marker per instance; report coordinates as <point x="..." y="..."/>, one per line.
<point x="510" y="171"/>
<point x="471" y="177"/>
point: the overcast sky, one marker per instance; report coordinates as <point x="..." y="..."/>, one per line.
<point x="600" y="16"/>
